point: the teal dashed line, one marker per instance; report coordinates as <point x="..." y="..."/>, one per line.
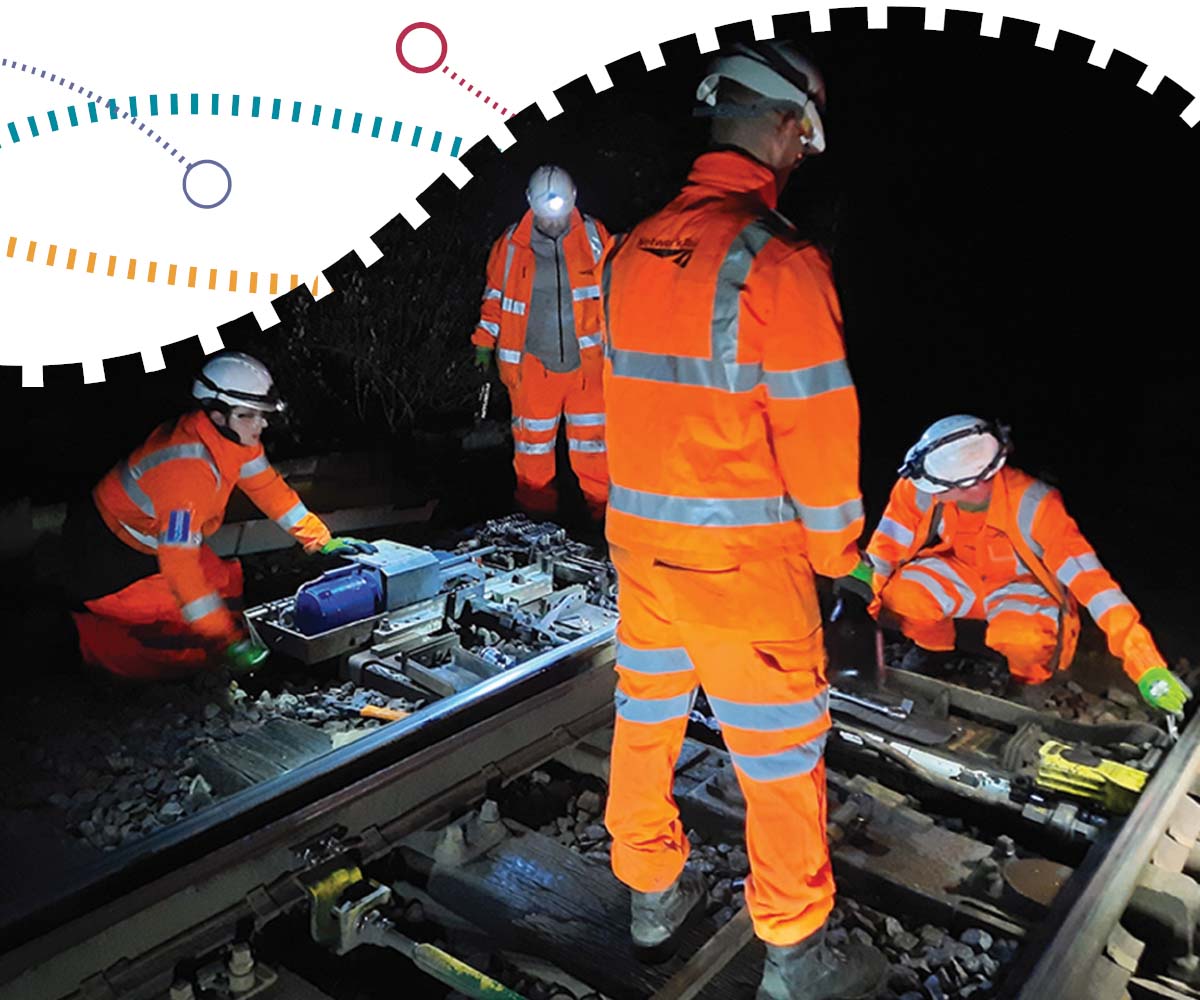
<point x="437" y="141"/>
<point x="53" y="121"/>
<point x="316" y="114"/>
<point x="174" y="104"/>
<point x="457" y="143"/>
<point x="133" y="106"/>
<point x="195" y="104"/>
<point x="376" y="127"/>
<point x="12" y="130"/>
<point x="153" y="105"/>
<point x="416" y="135"/>
<point x="275" y="110"/>
<point x="236" y="101"/>
<point x="396" y="131"/>
<point x="357" y="122"/>
<point x="32" y="125"/>
<point x="92" y="111"/>
<point x="112" y="109"/>
<point x="337" y="117"/>
<point x="254" y="106"/>
<point x="216" y="103"/>
<point x="74" y="117"/>
<point x="295" y="111"/>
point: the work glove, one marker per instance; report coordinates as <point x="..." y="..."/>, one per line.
<point x="850" y="637"/>
<point x="245" y="655"/>
<point x="347" y="546"/>
<point x="483" y="358"/>
<point x="1161" y="689"/>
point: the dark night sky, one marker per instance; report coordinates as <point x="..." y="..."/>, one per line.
<point x="1011" y="233"/>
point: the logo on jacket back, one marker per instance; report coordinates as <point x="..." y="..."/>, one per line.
<point x="678" y="252"/>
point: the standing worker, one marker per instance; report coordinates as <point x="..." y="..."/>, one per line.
<point x="733" y="440"/>
<point x="541" y="316"/>
<point x="152" y="600"/>
<point x="965" y="535"/>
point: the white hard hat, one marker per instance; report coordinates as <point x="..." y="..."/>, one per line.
<point x="778" y="72"/>
<point x="551" y="192"/>
<point x="956" y="452"/>
<point x="237" y="379"/>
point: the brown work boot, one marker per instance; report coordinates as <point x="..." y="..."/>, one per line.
<point x="814" y="970"/>
<point x="658" y="919"/>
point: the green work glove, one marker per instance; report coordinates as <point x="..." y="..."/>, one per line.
<point x="1163" y="690"/>
<point x="347" y="546"/>
<point x="483" y="358"/>
<point x="245" y="655"/>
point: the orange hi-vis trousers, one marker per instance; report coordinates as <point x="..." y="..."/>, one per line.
<point x="751" y="636"/>
<point x="539" y="399"/>
<point x="1022" y="617"/>
<point x="139" y="632"/>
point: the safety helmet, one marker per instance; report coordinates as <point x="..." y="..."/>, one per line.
<point x="234" y="379"/>
<point x="956" y="453"/>
<point x="551" y="192"/>
<point x="784" y="77"/>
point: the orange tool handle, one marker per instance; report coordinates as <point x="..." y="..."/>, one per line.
<point x="387" y="714"/>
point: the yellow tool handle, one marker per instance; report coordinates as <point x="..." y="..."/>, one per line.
<point x="387" y="714"/>
<point x="459" y="975"/>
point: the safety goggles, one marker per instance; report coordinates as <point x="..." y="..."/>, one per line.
<point x="915" y="468"/>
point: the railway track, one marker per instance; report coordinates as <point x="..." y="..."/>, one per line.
<point x="991" y="850"/>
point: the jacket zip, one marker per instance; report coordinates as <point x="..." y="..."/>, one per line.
<point x="562" y="347"/>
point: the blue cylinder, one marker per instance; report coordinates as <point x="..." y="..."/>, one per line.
<point x="339" y="597"/>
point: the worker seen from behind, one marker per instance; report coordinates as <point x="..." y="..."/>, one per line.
<point x="733" y="455"/>
<point x="967" y="536"/>
<point x="541" y="318"/>
<point x="153" y="601"/>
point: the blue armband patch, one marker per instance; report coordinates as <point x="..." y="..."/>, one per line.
<point x="179" y="528"/>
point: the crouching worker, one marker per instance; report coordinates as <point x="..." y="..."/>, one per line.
<point x="965" y="535"/>
<point x="152" y="601"/>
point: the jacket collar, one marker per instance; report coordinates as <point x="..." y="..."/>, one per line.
<point x="227" y="453"/>
<point x="523" y="234"/>
<point x="735" y="171"/>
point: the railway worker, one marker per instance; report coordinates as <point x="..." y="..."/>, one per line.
<point x="733" y="457"/>
<point x="541" y="318"/>
<point x="152" y="600"/>
<point x="966" y="535"/>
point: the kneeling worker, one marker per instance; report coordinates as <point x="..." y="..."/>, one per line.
<point x="965" y="535"/>
<point x="152" y="600"/>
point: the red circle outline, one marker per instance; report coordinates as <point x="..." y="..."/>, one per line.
<point x="400" y="48"/>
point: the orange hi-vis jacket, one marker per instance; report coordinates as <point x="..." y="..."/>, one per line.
<point x="1033" y="519"/>
<point x="732" y="420"/>
<point x="172" y="492"/>
<point x="510" y="272"/>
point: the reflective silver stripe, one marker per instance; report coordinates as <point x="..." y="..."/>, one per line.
<point x="788" y="763"/>
<point x="937" y="590"/>
<point x="514" y="306"/>
<point x="533" y="424"/>
<point x="492" y="293"/>
<point x="653" y="710"/>
<point x="130" y="474"/>
<point x="195" y="610"/>
<point x="1018" y="590"/>
<point x="1023" y="608"/>
<point x="508" y="259"/>
<point x="585" y="293"/>
<point x="529" y="448"/>
<point x="895" y="531"/>
<point x="703" y="512"/>
<point x="585" y="419"/>
<point x="594" y="241"/>
<point x="770" y="718"/>
<point x="837" y="518"/>
<point x="592" y="340"/>
<point x="1074" y="565"/>
<point x="1027" y="510"/>
<point x="966" y="595"/>
<point x="147" y="540"/>
<point x="678" y="370"/>
<point x="1106" y="600"/>
<point x="292" y="517"/>
<point x="673" y="660"/>
<point x="923" y="501"/>
<point x="576" y="445"/>
<point x="511" y="357"/>
<point x="254" y="467"/>
<point x="731" y="280"/>
<point x="881" y="566"/>
<point x="135" y="492"/>
<point x="487" y="326"/>
<point x="805" y="383"/>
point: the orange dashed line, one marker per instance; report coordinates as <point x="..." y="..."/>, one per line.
<point x="212" y="279"/>
<point x="152" y="272"/>
<point x="191" y="277"/>
<point x="233" y="281"/>
<point x="274" y="283"/>
<point x="295" y="280"/>
<point x="253" y="282"/>
<point x="171" y="274"/>
<point x="12" y="245"/>
<point x="112" y="265"/>
<point x="71" y="259"/>
<point x="91" y="268"/>
<point x="32" y="249"/>
<point x="132" y="272"/>
<point x="51" y="254"/>
<point x="314" y="290"/>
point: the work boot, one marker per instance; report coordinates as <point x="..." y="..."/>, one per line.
<point x="814" y="970"/>
<point x="657" y="919"/>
